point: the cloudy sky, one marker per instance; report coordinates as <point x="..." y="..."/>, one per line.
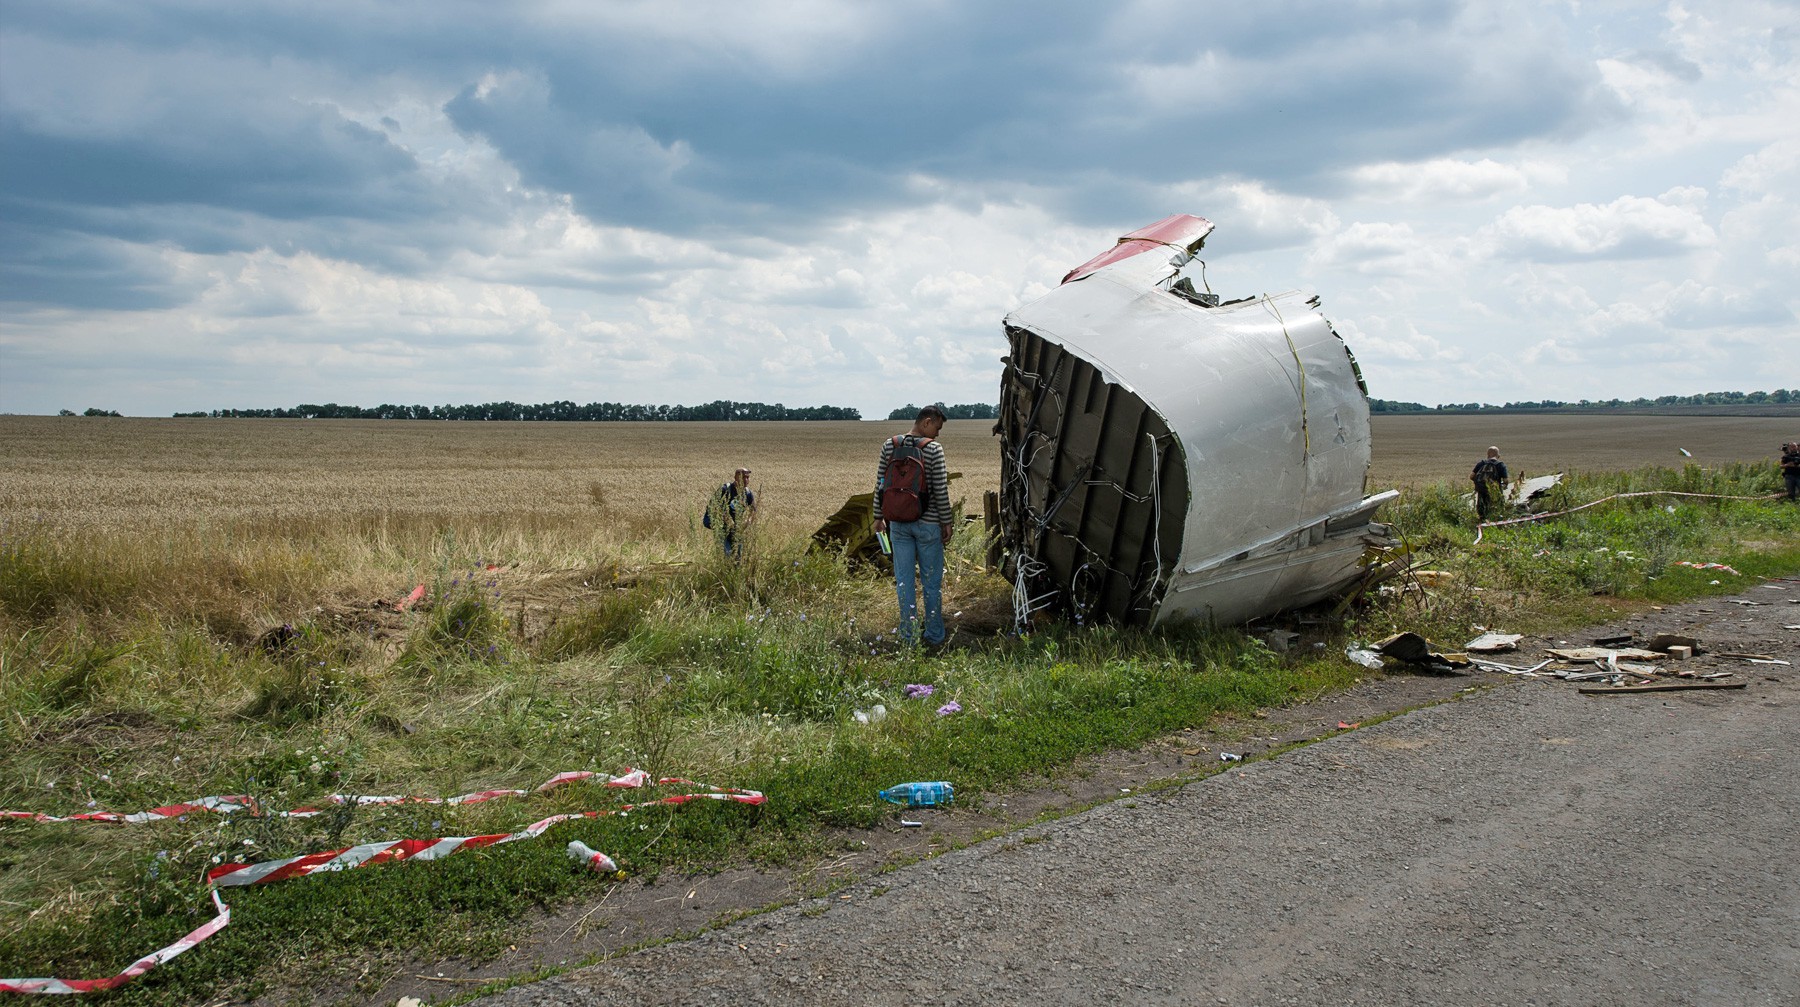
<point x="229" y="203"/>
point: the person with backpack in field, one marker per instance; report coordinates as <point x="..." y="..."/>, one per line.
<point x="1790" y="469"/>
<point x="1489" y="477"/>
<point x="912" y="507"/>
<point x="730" y="512"/>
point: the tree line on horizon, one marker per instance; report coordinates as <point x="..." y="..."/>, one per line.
<point x="966" y="411"/>
<point x="1778" y="397"/>
<point x="545" y="411"/>
<point x="725" y="409"/>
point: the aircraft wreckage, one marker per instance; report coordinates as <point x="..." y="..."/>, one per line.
<point x="1168" y="455"/>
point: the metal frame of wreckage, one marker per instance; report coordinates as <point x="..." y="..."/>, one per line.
<point x="1168" y="455"/>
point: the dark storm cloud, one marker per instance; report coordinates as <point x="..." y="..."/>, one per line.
<point x="312" y="164"/>
<point x="40" y="267"/>
<point x="1097" y="104"/>
<point x="201" y="125"/>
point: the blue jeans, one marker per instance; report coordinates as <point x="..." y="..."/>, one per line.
<point x="919" y="544"/>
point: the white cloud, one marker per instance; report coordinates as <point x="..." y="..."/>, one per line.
<point x="1696" y="305"/>
<point x="1394" y="338"/>
<point x="1450" y="179"/>
<point x="1551" y="351"/>
<point x="1382" y="249"/>
<point x="1770" y="169"/>
<point x="1629" y="227"/>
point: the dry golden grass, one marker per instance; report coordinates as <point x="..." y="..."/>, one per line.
<point x="137" y="475"/>
<point x="648" y="481"/>
<point x="636" y="489"/>
<point x="244" y="523"/>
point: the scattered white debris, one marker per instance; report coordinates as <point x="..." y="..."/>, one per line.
<point x="1365" y="657"/>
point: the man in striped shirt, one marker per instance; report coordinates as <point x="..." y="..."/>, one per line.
<point x="919" y="544"/>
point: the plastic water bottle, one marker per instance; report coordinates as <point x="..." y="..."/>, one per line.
<point x="920" y="795"/>
<point x="591" y="858"/>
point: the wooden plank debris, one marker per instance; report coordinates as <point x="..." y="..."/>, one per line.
<point x="1664" y="641"/>
<point x="1494" y="642"/>
<point x="1662" y="687"/>
<point x="1602" y="653"/>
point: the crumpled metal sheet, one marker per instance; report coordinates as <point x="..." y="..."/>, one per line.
<point x="1163" y="457"/>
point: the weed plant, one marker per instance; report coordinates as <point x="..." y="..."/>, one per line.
<point x="137" y="673"/>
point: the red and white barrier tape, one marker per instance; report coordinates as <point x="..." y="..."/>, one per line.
<point x="1708" y="566"/>
<point x="350" y="857"/>
<point x="226" y="805"/>
<point x="1483" y="526"/>
<point x="135" y="969"/>
<point x="223" y="805"/>
<point x="632" y="779"/>
<point x="237" y="875"/>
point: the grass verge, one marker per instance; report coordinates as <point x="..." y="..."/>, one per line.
<point x="132" y="680"/>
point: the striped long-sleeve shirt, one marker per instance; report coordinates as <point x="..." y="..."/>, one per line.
<point x="937" y="479"/>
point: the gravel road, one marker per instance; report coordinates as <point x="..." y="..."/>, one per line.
<point x="1524" y="845"/>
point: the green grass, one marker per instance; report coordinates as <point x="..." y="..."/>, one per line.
<point x="740" y="674"/>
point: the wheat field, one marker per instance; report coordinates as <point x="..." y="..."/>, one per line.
<point x="647" y="481"/>
<point x="1420" y="450"/>
<point x="136" y="475"/>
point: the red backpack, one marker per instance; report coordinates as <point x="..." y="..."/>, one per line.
<point x="903" y="486"/>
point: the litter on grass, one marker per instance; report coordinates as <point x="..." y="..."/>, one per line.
<point x="269" y="871"/>
<point x="632" y="779"/>
<point x="132" y="971"/>
<point x="1365" y="657"/>
<point x="234" y="874"/>
<point x="920" y="795"/>
<point x="591" y="858"/>
<point x="1708" y="566"/>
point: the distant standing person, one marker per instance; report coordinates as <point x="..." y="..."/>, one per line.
<point x="730" y="512"/>
<point x="912" y="505"/>
<point x="1790" y="469"/>
<point x="1489" y="477"/>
